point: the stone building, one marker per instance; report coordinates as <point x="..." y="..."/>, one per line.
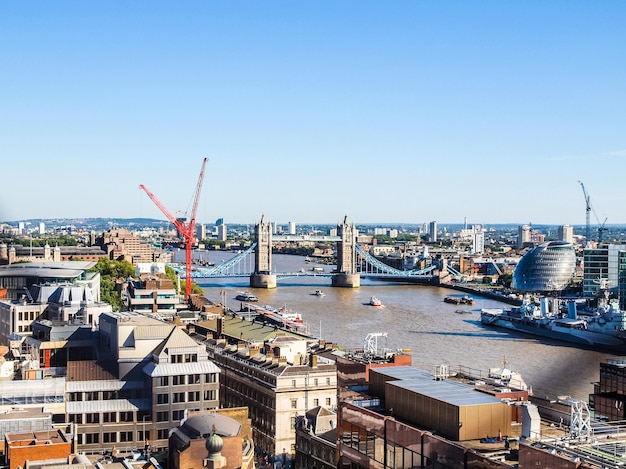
<point x="217" y="440"/>
<point x="121" y="244"/>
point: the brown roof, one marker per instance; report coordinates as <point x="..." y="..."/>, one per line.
<point x="87" y="370"/>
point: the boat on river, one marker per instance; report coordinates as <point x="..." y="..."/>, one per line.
<point x="455" y="300"/>
<point x="246" y="296"/>
<point x="600" y="327"/>
<point x="375" y="301"/>
<point x="281" y="317"/>
<point x="318" y="293"/>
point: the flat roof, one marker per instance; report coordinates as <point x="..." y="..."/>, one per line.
<point x="66" y="269"/>
<point x="422" y="382"/>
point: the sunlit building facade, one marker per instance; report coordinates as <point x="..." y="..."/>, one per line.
<point x="546" y="267"/>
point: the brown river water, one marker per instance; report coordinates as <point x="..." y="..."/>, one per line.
<point x="416" y="318"/>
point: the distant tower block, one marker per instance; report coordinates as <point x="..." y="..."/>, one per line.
<point x="346" y="257"/>
<point x="262" y="276"/>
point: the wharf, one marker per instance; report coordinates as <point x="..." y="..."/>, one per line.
<point x="484" y="293"/>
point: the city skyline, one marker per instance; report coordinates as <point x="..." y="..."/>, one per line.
<point x="387" y="113"/>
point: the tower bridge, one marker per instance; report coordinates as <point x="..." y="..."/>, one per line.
<point x="353" y="262"/>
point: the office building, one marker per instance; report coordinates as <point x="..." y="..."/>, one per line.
<point x="523" y="236"/>
<point x="546" y="267"/>
<point x="432" y="231"/>
<point x="277" y="380"/>
<point x="201" y="231"/>
<point x="478" y="241"/>
<point x="121" y="244"/>
<point x="566" y="233"/>
<point x="292" y="228"/>
<point x="601" y="265"/>
<point x="222" y="232"/>
<point x="220" y="439"/>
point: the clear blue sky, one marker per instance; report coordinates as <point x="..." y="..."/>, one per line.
<point x="400" y="111"/>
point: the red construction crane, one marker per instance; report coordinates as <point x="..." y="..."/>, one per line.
<point x="187" y="231"/>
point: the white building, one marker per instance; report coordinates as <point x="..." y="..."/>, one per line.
<point x="432" y="231"/>
<point x="478" y="242"/>
<point x="566" y="233"/>
<point x="292" y="228"/>
<point x="221" y="232"/>
<point x="523" y="235"/>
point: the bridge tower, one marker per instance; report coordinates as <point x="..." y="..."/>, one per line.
<point x="262" y="276"/>
<point x="346" y="257"/>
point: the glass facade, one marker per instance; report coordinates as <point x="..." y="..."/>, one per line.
<point x="602" y="263"/>
<point x="546" y="267"/>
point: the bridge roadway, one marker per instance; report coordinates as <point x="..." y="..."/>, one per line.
<point x="312" y="238"/>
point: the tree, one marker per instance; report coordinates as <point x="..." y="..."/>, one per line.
<point x="112" y="273"/>
<point x="505" y="280"/>
<point x="172" y="275"/>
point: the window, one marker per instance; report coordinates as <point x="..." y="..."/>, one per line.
<point x="92" y="418"/>
<point x="328" y="381"/>
<point x="293" y="423"/>
<point x="193" y="396"/>
<point x="316" y="402"/>
<point x="162" y="381"/>
<point x="162" y="434"/>
<point x="92" y="438"/>
<point x="315" y="382"/>
<point x="126" y="436"/>
<point x="178" y="414"/>
<point x="162" y="417"/>
<point x="109" y="437"/>
<point x="193" y="379"/>
<point x="328" y="401"/>
<point x="108" y="417"/>
<point x="210" y="378"/>
<point x="294" y="403"/>
<point x="210" y="395"/>
<point x="178" y="380"/>
<point x="293" y="383"/>
<point x="163" y="398"/>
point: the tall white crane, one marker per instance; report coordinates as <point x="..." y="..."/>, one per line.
<point x="587" y="214"/>
<point x="588" y="209"/>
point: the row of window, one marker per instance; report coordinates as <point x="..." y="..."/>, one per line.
<point x="189" y="396"/>
<point x="314" y="383"/>
<point x="104" y="417"/>
<point x="27" y="315"/>
<point x="184" y="358"/>
<point x="119" y="437"/>
<point x="316" y="402"/>
<point x="179" y="380"/>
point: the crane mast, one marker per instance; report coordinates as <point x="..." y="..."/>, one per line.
<point x="186" y="230"/>
<point x="588" y="209"/>
<point x="587" y="214"/>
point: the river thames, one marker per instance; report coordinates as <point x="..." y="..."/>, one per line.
<point x="416" y="318"/>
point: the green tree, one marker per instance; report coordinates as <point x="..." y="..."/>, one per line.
<point x="112" y="273"/>
<point x="115" y="269"/>
<point x="171" y="274"/>
<point x="505" y="280"/>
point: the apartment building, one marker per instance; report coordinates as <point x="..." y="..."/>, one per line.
<point x="148" y="376"/>
<point x="278" y="381"/>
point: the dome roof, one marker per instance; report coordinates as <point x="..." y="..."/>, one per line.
<point x="214" y="443"/>
<point x="546" y="267"/>
<point x="204" y="425"/>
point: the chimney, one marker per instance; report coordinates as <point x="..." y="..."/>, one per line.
<point x="313" y="361"/>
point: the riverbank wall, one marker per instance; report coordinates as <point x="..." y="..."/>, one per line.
<point x="485" y="293"/>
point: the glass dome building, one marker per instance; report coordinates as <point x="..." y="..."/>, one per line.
<point x="546" y="267"/>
